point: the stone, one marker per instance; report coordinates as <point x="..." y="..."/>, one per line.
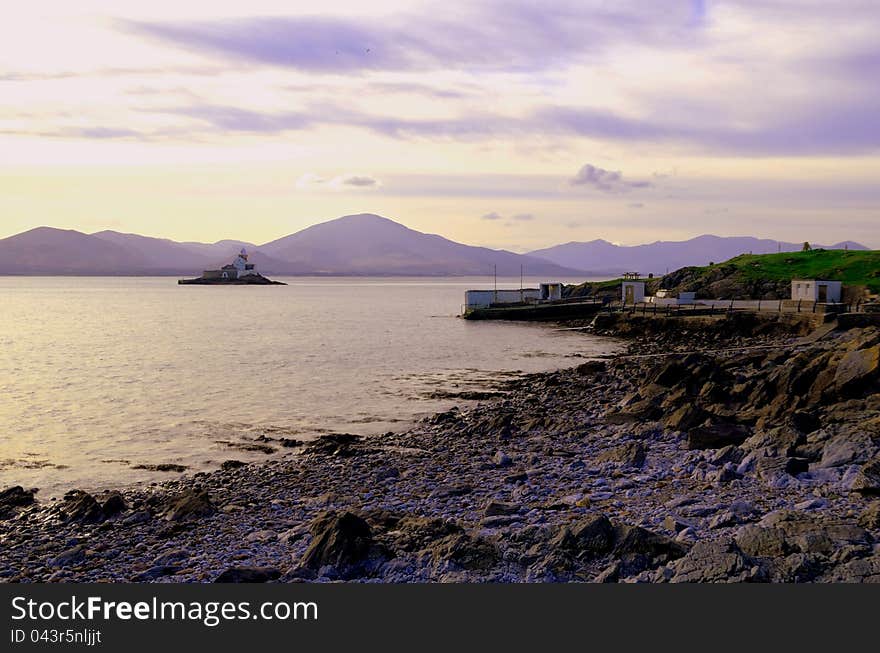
<point x="717" y="436"/>
<point x="870" y="516"/>
<point x="845" y="449"/>
<point x="228" y="465"/>
<point x="715" y="562"/>
<point x="867" y="481"/>
<point x="590" y="537"/>
<point x="342" y="445"/>
<point x="812" y="504"/>
<point x="71" y="556"/>
<point x="191" y="504"/>
<point x="13" y="498"/>
<point x="762" y="542"/>
<point x="79" y="506"/>
<point x="856" y="367"/>
<point x="687" y="417"/>
<point x="502" y="460"/>
<point x="805" y="421"/>
<point x="634" y="540"/>
<point x="463" y="551"/>
<point x="343" y="541"/>
<point x="139" y="517"/>
<point x="860" y="570"/>
<point x="499" y="508"/>
<point x="629" y="454"/>
<point x="170" y="557"/>
<point x="248" y="575"/>
<point x="261" y="536"/>
<point x="113" y="504"/>
<point x="155" y="572"/>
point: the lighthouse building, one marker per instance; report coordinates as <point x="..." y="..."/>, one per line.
<point x="236" y="270"/>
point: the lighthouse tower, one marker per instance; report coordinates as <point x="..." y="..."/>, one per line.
<point x="241" y="264"/>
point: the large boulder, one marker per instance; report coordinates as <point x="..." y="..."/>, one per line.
<point x="189" y="505"/>
<point x="590" y="537"/>
<point x="715" y="562"/>
<point x="685" y="417"/>
<point x="629" y="454"/>
<point x="13" y="498"/>
<point x="868" y="479"/>
<point x="82" y="507"/>
<point x="856" y="368"/>
<point x="717" y="436"/>
<point x="342" y="544"/>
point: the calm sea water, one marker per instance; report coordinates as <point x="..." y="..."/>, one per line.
<point x="98" y="375"/>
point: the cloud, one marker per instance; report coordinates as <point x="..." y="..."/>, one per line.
<point x="636" y="205"/>
<point x="512" y="220"/>
<point x="312" y="181"/>
<point x="607" y="181"/>
<point x="359" y="181"/>
<point x="494" y="35"/>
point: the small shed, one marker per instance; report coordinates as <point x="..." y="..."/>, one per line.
<point x="551" y="291"/>
<point x="633" y="292"/>
<point x="815" y="290"/>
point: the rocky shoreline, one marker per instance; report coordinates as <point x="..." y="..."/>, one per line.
<point x="711" y="452"/>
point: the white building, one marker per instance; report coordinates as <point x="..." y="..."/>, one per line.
<point x="814" y="290"/>
<point x="485" y="298"/>
<point x="546" y="292"/>
<point x="235" y="270"/>
<point x="551" y="291"/>
<point x="633" y="292"/>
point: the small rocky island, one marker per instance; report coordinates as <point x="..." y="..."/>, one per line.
<point x="239" y="272"/>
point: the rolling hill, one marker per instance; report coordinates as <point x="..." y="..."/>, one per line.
<point x="368" y="244"/>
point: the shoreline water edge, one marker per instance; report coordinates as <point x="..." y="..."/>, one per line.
<point x="725" y="449"/>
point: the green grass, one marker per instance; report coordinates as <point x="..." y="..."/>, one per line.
<point x="853" y="268"/>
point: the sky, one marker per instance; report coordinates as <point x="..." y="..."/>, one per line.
<point x="502" y="123"/>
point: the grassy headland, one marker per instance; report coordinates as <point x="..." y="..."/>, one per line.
<point x="761" y="276"/>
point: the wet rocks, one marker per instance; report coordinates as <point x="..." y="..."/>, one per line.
<point x="537" y="485"/>
<point x="189" y="505"/>
<point x="343" y="542"/>
<point x="79" y="506"/>
<point x="113" y="504"/>
<point x="162" y="467"/>
<point x="341" y="445"/>
<point x="248" y="575"/>
<point x="13" y="498"/>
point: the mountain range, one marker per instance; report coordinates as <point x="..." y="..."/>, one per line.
<point x="363" y="244"/>
<point x="602" y="257"/>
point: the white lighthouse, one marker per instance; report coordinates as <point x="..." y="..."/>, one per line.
<point x="241" y="265"/>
